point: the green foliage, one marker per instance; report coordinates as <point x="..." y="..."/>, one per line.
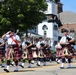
<point x="22" y="14"/>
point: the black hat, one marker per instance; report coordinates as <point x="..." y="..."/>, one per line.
<point x="12" y="30"/>
<point x="66" y="30"/>
<point x="40" y="37"/>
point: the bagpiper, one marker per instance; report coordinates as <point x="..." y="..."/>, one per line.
<point x="58" y="52"/>
<point x="13" y="49"/>
<point x="27" y="54"/>
<point x="41" y="55"/>
<point x="67" y="52"/>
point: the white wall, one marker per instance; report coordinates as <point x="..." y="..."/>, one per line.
<point x="51" y="9"/>
<point x="51" y="33"/>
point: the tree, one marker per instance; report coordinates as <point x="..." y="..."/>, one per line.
<point x="21" y="14"/>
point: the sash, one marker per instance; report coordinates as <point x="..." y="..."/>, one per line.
<point x="15" y="42"/>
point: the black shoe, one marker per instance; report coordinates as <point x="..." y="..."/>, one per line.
<point x="6" y="70"/>
<point x="21" y="66"/>
<point x="15" y="70"/>
<point x="58" y="63"/>
<point x="61" y="67"/>
<point x="38" y="65"/>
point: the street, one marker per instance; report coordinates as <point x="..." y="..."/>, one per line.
<point x="51" y="69"/>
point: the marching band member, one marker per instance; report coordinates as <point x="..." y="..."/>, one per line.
<point x="47" y="51"/>
<point x="13" y="49"/>
<point x="67" y="51"/>
<point x="40" y="46"/>
<point x="2" y="51"/>
<point x="58" y="52"/>
<point x="34" y="50"/>
<point x="26" y="45"/>
<point x="21" y="60"/>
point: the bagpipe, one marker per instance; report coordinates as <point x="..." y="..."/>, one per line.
<point x="72" y="43"/>
<point x="27" y="43"/>
<point x="42" y="44"/>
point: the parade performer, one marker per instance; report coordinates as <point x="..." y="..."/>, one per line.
<point x="47" y="51"/>
<point x="27" y="54"/>
<point x="58" y="52"/>
<point x="13" y="49"/>
<point x="21" y="60"/>
<point x="2" y="52"/>
<point x="40" y="46"/>
<point x="34" y="50"/>
<point x="67" y="52"/>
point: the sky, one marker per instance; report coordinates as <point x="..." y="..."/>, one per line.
<point x="69" y="5"/>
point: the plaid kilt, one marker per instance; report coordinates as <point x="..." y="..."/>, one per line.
<point x="47" y="52"/>
<point x="21" y="53"/>
<point x="34" y="52"/>
<point x="16" y="54"/>
<point x="13" y="52"/>
<point x="29" y="53"/>
<point x="58" y="53"/>
<point x="71" y="52"/>
<point x="2" y="52"/>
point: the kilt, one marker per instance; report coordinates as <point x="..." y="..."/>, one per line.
<point x="67" y="51"/>
<point x="34" y="52"/>
<point x="47" y="52"/>
<point x="44" y="53"/>
<point x="21" y="54"/>
<point x="14" y="51"/>
<point x="40" y="53"/>
<point x="58" y="52"/>
<point x="29" y="53"/>
<point x="24" y="54"/>
<point x="2" y="52"/>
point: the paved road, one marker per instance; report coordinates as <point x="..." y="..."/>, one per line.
<point x="51" y="69"/>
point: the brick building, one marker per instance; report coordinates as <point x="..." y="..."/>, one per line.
<point x="68" y="20"/>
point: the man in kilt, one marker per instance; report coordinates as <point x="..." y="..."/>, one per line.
<point x="13" y="49"/>
<point x="2" y="52"/>
<point x="47" y="51"/>
<point x="67" y="52"/>
<point x="58" y="52"/>
<point x="41" y="45"/>
<point x="27" y="54"/>
<point x="34" y="50"/>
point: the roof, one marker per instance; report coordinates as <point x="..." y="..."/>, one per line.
<point x="67" y="17"/>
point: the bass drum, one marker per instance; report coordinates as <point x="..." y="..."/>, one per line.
<point x="41" y="54"/>
<point x="34" y="52"/>
<point x="66" y="52"/>
<point x="25" y="54"/>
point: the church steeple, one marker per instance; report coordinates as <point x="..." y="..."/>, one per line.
<point x="59" y="7"/>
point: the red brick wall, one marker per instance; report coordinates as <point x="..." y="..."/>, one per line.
<point x="69" y="26"/>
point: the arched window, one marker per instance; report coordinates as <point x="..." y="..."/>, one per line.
<point x="55" y="27"/>
<point x="45" y="28"/>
